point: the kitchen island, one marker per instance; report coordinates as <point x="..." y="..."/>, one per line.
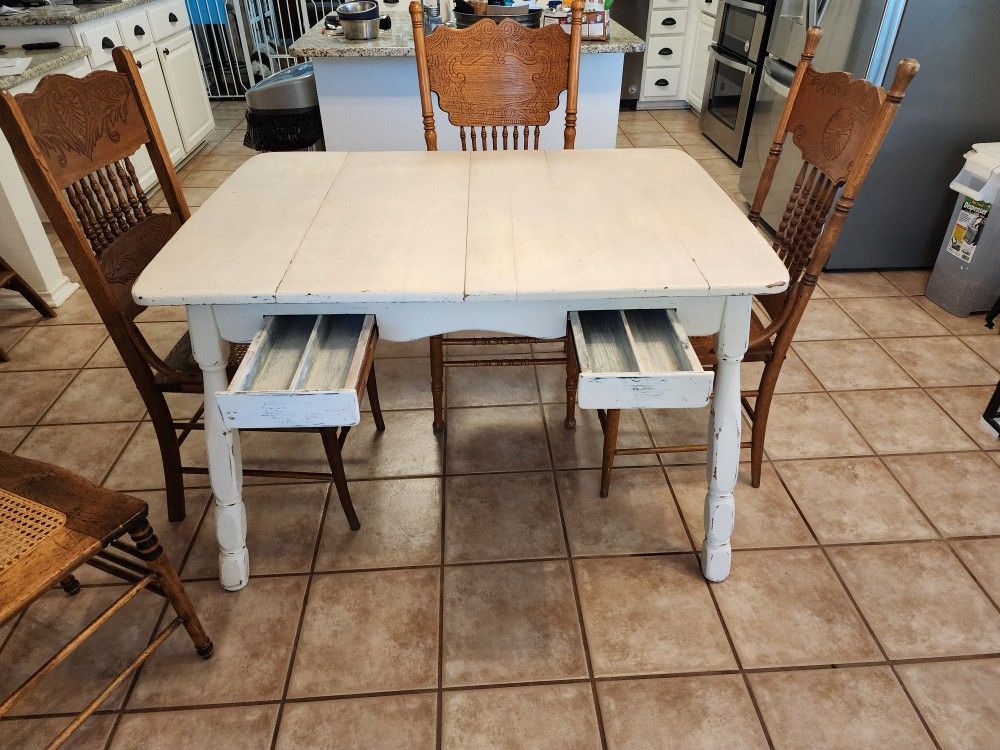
<point x="369" y="99"/>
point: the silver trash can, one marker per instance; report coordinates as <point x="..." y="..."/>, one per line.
<point x="283" y="112"/>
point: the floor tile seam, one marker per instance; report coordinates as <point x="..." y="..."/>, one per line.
<point x="554" y="478"/>
<point x="442" y="552"/>
<point x="121" y="451"/>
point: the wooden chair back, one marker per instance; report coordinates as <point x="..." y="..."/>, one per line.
<point x="75" y="138"/>
<point x="498" y="76"/>
<point x="838" y="123"/>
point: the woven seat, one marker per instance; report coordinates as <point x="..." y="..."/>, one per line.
<point x="24" y="525"/>
<point x="181" y="359"/>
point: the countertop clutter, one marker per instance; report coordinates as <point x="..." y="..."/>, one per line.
<point x="42" y="62"/>
<point x="61" y="15"/>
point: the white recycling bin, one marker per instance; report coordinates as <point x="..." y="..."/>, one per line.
<point x="966" y="277"/>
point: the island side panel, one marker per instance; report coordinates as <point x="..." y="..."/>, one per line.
<point x="372" y="104"/>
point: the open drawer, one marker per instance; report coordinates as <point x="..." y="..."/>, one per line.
<point x="302" y="371"/>
<point x="633" y="359"/>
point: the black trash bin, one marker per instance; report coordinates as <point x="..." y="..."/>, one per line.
<point x="283" y="112"/>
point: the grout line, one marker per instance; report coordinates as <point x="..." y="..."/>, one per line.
<point x="442" y="551"/>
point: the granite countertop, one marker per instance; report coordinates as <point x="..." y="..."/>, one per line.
<point x="42" y="62"/>
<point x="398" y="41"/>
<point x="66" y="15"/>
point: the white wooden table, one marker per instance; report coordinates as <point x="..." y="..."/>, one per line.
<point x="439" y="242"/>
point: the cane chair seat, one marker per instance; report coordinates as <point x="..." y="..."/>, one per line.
<point x="181" y="359"/>
<point x="760" y="350"/>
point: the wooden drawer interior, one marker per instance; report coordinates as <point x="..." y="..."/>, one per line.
<point x="302" y="371"/>
<point x="636" y="359"/>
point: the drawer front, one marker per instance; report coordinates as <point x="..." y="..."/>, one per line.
<point x="669" y="4"/>
<point x="101" y="39"/>
<point x="661" y="82"/>
<point x="664" y="50"/>
<point x="632" y="359"/>
<point x="667" y="22"/>
<point x="168" y="19"/>
<point x="302" y="371"/>
<point x="135" y="30"/>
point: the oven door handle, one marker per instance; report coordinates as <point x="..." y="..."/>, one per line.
<point x="747" y="5"/>
<point x="732" y="62"/>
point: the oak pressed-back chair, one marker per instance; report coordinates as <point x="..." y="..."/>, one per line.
<point x="499" y="84"/>
<point x="74" y="137"/>
<point x="838" y="123"/>
<point x="53" y="521"/>
<point x="10" y="279"/>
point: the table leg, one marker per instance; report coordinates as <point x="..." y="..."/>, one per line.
<point x="225" y="467"/>
<point x="724" y="439"/>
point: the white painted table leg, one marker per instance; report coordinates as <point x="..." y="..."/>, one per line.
<point x="225" y="467"/>
<point x="724" y="439"/>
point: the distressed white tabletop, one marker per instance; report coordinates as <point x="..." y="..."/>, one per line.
<point x="452" y="227"/>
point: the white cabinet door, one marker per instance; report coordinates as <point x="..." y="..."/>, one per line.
<point x="182" y="72"/>
<point x="700" y="60"/>
<point x="159" y="99"/>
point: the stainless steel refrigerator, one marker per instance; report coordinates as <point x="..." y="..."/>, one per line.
<point x="904" y="206"/>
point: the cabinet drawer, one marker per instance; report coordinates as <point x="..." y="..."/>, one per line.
<point x="302" y="371"/>
<point x="135" y="30"/>
<point x="667" y="22"/>
<point x="658" y="4"/>
<point x="168" y="19"/>
<point x="101" y="38"/>
<point x="664" y="50"/>
<point x="631" y="359"/>
<point x="661" y="82"/>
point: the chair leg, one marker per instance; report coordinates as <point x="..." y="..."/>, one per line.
<point x="765" y="392"/>
<point x="70" y="585"/>
<point x="611" y="421"/>
<point x="333" y="455"/>
<point x="170" y="455"/>
<point x="437" y="380"/>
<point x="20" y="286"/>
<point x="152" y="553"/>
<point x="372" y="387"/>
<point x="572" y="374"/>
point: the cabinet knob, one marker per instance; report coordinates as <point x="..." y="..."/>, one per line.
<point x="166" y="51"/>
<point x="662" y="82"/>
<point x="669" y="22"/>
<point x="106" y="43"/>
<point x="666" y="51"/>
<point x="172" y="18"/>
<point x="138" y="64"/>
<point x="139" y="31"/>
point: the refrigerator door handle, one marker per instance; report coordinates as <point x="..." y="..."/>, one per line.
<point x="732" y="62"/>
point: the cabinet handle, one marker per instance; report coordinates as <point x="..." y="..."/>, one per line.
<point x="662" y="82"/>
<point x="139" y="31"/>
<point x="669" y="22"/>
<point x="138" y="64"/>
<point x="166" y="51"/>
<point x="172" y="18"/>
<point x="106" y="43"/>
<point x="666" y="51"/>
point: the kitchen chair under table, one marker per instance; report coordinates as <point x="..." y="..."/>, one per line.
<point x="465" y="249"/>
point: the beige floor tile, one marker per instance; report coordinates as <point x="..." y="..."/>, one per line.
<point x="161" y="336"/>
<point x="647" y="125"/>
<point x="987" y="347"/>
<point x="957" y="699"/>
<point x="489" y="386"/>
<point x="203" y="179"/>
<point x="404" y="383"/>
<point x="140" y="466"/>
<point x="650" y="615"/>
<point x="795" y="377"/>
<point x="582" y="447"/>
<point x="512" y="622"/>
<point x="957" y="491"/>
<point x="911" y="283"/>
<point x="634" y="116"/>
<point x="901" y="421"/>
<point x="622" y="141"/>
<point x="714" y="161"/>
<point x="983" y="558"/>
<point x="19" y="316"/>
<point x="683" y="427"/>
<point x="857" y="284"/>
<point x="415" y="348"/>
<point x="940" y="361"/>
<point x="400" y="525"/>
<point x="966" y="406"/>
<point x="674" y="712"/>
<point x="810" y="425"/>
<point x="638" y="516"/>
<point x="253" y="631"/>
<point x="919" y="600"/>
<point x="246" y="727"/>
<point x="556" y="717"/>
<point x="853" y="365"/>
<point x="408" y="447"/>
<point x="196" y="196"/>
<point x="786" y="608"/>
<point x="55" y="348"/>
<point x="11" y="335"/>
<point x="496" y="439"/>
<point x="77" y="309"/>
<point x="824" y="320"/>
<point x="651" y="140"/>
<point x="552" y="383"/>
<point x="502" y="517"/>
<point x="282" y="526"/>
<point x="382" y="723"/>
<point x="765" y="517"/>
<point x="87" y="449"/>
<point x="853" y="500"/>
<point x="729" y="183"/>
<point x="973" y="325"/>
<point x="891" y="316"/>
<point x="50" y="623"/>
<point x="706" y="151"/>
<point x="102" y="395"/>
<point x="224" y="162"/>
<point x="106" y="356"/>
<point x="36" y="734"/>
<point x="838" y="708"/>
<point x="681" y="117"/>
<point x="230" y="148"/>
<point x="28" y="394"/>
<point x="10" y="437"/>
<point x="380" y="629"/>
<point x="687" y="136"/>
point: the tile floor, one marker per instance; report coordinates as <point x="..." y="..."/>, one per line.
<point x="491" y="598"/>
